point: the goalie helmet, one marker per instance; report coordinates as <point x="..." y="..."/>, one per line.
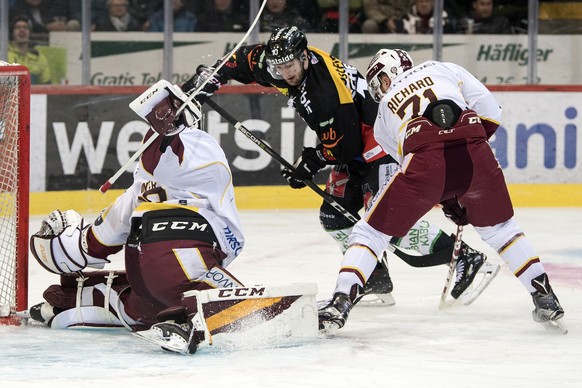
<point x="389" y="62"/>
<point x="159" y="105"/>
<point x="284" y="45"/>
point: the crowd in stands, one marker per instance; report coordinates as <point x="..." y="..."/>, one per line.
<point x="365" y="16"/>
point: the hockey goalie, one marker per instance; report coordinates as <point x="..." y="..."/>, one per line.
<point x="180" y="229"/>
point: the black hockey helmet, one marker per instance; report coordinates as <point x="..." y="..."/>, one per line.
<point x="285" y="44"/>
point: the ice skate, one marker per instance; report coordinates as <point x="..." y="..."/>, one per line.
<point x="378" y="288"/>
<point x="173" y="337"/>
<point x="41" y="312"/>
<point x="333" y="316"/>
<point x="548" y="310"/>
<point x="473" y="274"/>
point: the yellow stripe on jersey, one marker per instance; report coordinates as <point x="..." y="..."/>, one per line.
<point x="228" y="172"/>
<point x="338" y="75"/>
<point x="191" y="262"/>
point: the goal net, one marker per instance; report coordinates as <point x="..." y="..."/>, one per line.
<point x="14" y="175"/>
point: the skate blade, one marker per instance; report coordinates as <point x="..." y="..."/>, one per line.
<point x="24" y="314"/>
<point x="487" y="273"/>
<point x="328" y="329"/>
<point x="174" y="344"/>
<point x="557" y="326"/>
<point x="377" y="300"/>
<point x="474" y="290"/>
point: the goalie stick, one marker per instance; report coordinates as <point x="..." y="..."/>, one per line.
<point x="107" y="185"/>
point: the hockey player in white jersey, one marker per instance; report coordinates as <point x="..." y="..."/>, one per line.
<point x="435" y="119"/>
<point x="178" y="223"/>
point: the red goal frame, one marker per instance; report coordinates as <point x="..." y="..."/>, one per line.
<point x="22" y="192"/>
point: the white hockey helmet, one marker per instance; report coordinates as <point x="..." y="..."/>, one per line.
<point x="389" y="62"/>
<point x="159" y="104"/>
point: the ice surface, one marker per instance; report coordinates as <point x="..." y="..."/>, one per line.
<point x="493" y="342"/>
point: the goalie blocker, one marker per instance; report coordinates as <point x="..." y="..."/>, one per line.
<point x="254" y="316"/>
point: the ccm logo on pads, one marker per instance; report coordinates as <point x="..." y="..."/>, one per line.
<point x="243" y="291"/>
<point x="178" y="225"/>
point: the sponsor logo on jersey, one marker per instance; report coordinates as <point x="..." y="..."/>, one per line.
<point x="329" y="135"/>
<point x="232" y="241"/>
<point x="220" y="279"/>
<point x="306" y="102"/>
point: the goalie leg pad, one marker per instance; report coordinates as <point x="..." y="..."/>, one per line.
<point x="93" y="301"/>
<point x="239" y="316"/>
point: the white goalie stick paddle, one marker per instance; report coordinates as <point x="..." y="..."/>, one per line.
<point x="454" y="257"/>
<point x="104" y="187"/>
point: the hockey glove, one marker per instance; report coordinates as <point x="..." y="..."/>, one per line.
<point x="202" y="73"/>
<point x="306" y="166"/>
<point x="60" y="245"/>
<point x="455" y="212"/>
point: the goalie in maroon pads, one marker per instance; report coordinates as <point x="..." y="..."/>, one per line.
<point x="178" y="223"/>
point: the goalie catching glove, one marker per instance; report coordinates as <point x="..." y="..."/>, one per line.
<point x="60" y="246"/>
<point x="306" y="166"/>
<point x="202" y="74"/>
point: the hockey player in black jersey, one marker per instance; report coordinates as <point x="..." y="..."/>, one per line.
<point x="332" y="98"/>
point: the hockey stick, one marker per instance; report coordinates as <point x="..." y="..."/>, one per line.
<point x="452" y="265"/>
<point x="409" y="259"/>
<point x="238" y="125"/>
<point x="107" y="185"/>
<point x="104" y="187"/>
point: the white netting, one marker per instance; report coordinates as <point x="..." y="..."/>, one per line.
<point x="9" y="132"/>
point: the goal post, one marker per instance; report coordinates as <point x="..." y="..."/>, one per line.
<point x="14" y="189"/>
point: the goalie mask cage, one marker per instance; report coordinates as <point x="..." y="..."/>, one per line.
<point x="14" y="188"/>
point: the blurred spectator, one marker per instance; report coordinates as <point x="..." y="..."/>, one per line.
<point x="223" y="15"/>
<point x="330" y="18"/>
<point x="308" y="10"/>
<point x="119" y="18"/>
<point x="483" y="21"/>
<point x="382" y="16"/>
<point x="184" y="20"/>
<point x="278" y="15"/>
<point x="142" y="9"/>
<point x="419" y="19"/>
<point x="47" y="15"/>
<point x="21" y="50"/>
